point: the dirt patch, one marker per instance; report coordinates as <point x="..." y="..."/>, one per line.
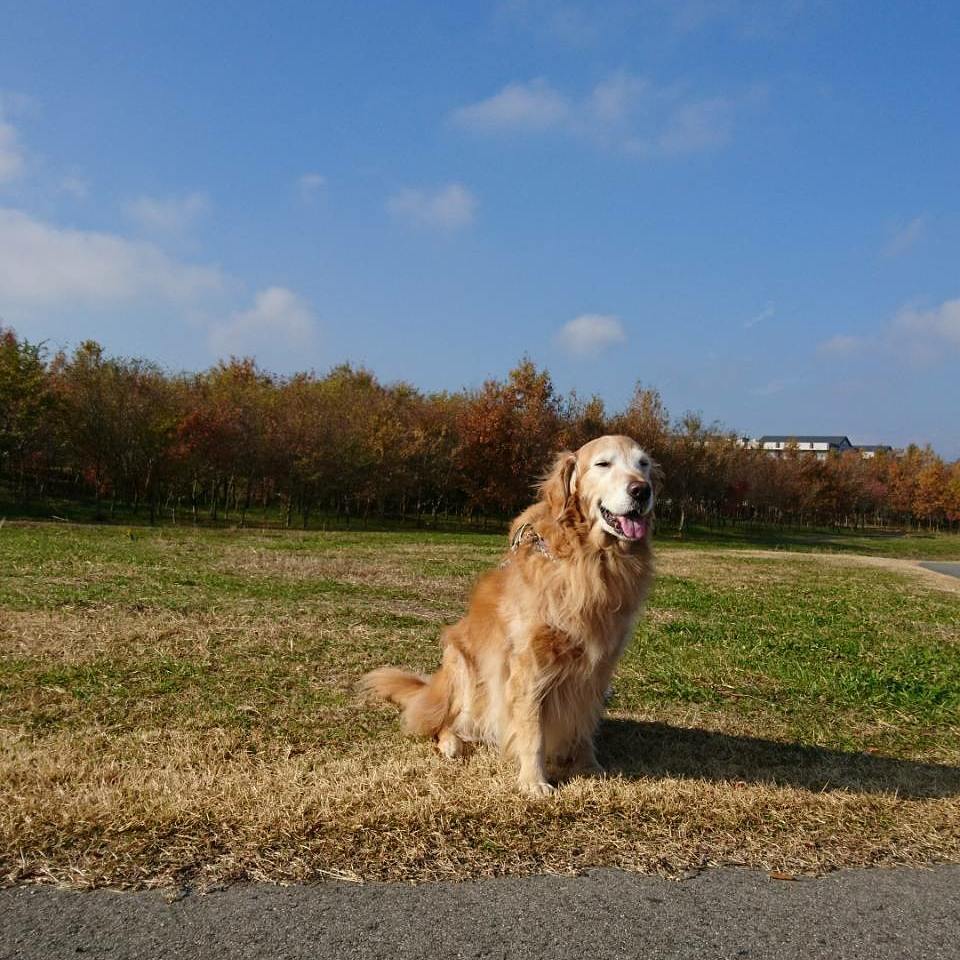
<point x="376" y="570"/>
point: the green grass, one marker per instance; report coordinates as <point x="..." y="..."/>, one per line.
<point x="138" y="666"/>
<point x="812" y="650"/>
<point x="897" y="543"/>
<point x="794" y="641"/>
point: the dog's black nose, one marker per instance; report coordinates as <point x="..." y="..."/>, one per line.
<point x="639" y="491"/>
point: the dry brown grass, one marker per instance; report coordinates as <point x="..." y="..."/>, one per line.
<point x="156" y="809"/>
<point x="78" y="635"/>
<point x="262" y="764"/>
<point x="389" y="571"/>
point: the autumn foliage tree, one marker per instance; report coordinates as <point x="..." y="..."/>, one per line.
<point x="507" y="432"/>
<point x="214" y="446"/>
<point x="118" y="423"/>
<point x="26" y="406"/>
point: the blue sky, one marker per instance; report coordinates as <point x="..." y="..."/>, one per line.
<point x="753" y="206"/>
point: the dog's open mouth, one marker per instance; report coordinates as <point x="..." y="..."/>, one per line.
<point x="630" y="526"/>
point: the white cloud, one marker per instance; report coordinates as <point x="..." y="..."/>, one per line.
<point x="310" y="184"/>
<point x="446" y="208"/>
<point x="927" y="334"/>
<point x="623" y="110"/>
<point x="767" y="313"/>
<point x="533" y="106"/>
<point x="612" y="100"/>
<point x="168" y="215"/>
<point x="773" y="387"/>
<point x="591" y="333"/>
<point x="11" y="153"/>
<point x="559" y="20"/>
<point x="278" y="322"/>
<point x="905" y="236"/>
<point x="840" y="345"/>
<point x="755" y="19"/>
<point x="695" y="127"/>
<point x="581" y="23"/>
<point x="44" y="264"/>
<point x="691" y="15"/>
<point x="49" y="271"/>
<point x="924" y="337"/>
<point x="77" y="187"/>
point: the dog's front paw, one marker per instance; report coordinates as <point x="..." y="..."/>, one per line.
<point x="450" y="745"/>
<point x="537" y="788"/>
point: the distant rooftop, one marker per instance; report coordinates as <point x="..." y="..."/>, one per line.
<point x="803" y="438"/>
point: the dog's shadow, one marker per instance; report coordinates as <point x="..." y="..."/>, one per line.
<point x="636" y="749"/>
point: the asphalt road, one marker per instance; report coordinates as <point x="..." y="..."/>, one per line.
<point x="951" y="569"/>
<point x="864" y="914"/>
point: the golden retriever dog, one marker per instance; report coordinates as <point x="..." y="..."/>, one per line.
<point x="526" y="670"/>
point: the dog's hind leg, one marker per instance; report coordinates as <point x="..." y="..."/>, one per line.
<point x="583" y="760"/>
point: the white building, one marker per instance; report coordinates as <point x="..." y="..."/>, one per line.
<point x="870" y="450"/>
<point x="821" y="447"/>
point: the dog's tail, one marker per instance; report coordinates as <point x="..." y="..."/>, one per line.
<point x="425" y="700"/>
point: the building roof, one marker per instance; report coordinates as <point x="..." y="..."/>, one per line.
<point x="804" y="438"/>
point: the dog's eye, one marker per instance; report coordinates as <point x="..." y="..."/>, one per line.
<point x="644" y="464"/>
<point x="602" y="463"/>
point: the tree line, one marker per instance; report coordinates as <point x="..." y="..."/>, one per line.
<point x="236" y="443"/>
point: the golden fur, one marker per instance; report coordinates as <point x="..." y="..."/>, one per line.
<point x="527" y="668"/>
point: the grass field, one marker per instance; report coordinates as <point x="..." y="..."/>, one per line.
<point x="871" y="541"/>
<point x="179" y="706"/>
<point x="908" y="545"/>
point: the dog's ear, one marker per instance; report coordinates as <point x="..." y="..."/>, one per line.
<point x="557" y="486"/>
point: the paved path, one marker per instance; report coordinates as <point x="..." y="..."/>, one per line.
<point x="861" y="914"/>
<point x="950" y="569"/>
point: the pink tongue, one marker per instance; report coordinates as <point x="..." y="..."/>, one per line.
<point x="634" y="529"/>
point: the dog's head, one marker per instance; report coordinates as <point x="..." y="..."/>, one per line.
<point x="608" y="484"/>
